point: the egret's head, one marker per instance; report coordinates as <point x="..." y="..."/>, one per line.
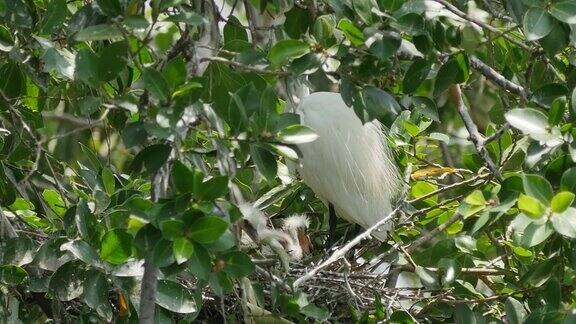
<point x="296" y="226"/>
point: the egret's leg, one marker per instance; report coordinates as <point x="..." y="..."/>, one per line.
<point x="331" y="226"/>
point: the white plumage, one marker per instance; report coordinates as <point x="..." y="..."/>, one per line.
<point x="350" y="164"/>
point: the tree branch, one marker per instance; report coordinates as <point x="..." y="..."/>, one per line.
<point x="475" y="136"/>
<point x="449" y="187"/>
<point x="243" y="66"/>
<point x="341" y="252"/>
<point x="498" y="78"/>
<point x="481" y="24"/>
<point x="430" y="235"/>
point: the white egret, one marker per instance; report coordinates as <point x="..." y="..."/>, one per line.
<point x="349" y="164"/>
<point x="289" y="243"/>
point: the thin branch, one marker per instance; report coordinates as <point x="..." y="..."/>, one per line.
<point x="341" y="252"/>
<point x="497" y="134"/>
<point x="498" y="78"/>
<point x="251" y="17"/>
<point x="481" y="24"/>
<point x="475" y="135"/>
<point x="73" y="120"/>
<point x="430" y="235"/>
<point x="243" y="66"/>
<point x="82" y="125"/>
<point x="450" y="187"/>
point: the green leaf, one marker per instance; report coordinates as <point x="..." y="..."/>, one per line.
<point x="183" y="249"/>
<point x="465" y="243"/>
<point x="557" y="110"/>
<point x="562" y="201"/>
<point x="54" y="17"/>
<point x="172" y="229"/>
<point x="476" y="198"/>
<point x="537" y="23"/>
<point x="557" y="39"/>
<point x="416" y="74"/>
<point x="540" y="273"/>
<point x="60" y="61"/>
<point x="564" y="10"/>
<point x="13" y="82"/>
<point x="96" y="291"/>
<point x="317" y="313"/>
<point x="515" y="312"/>
<point x="12" y="275"/>
<point x="286" y="50"/>
<point x="383" y="45"/>
<point x="530" y="206"/>
<point x="155" y="83"/>
<point x="411" y="24"/>
<point x="297" y="22"/>
<point x="54" y="201"/>
<point x="110" y="8"/>
<point x="565" y="223"/>
<point x="380" y="104"/>
<point x="297" y="134"/>
<point x="108" y="180"/>
<point x="185" y="179"/>
<point x="535" y="234"/>
<point x="238" y="264"/>
<point x="112" y="60"/>
<point x="18" y="251"/>
<point x="537" y="187"/>
<point x="207" y="229"/>
<point x="553" y="294"/>
<point x="175" y="73"/>
<point x="116" y="246"/>
<point x="212" y="188"/>
<point x="464" y="315"/>
<point x="455" y="70"/>
<point x="265" y="162"/>
<point x="527" y="120"/>
<point x="67" y="282"/>
<point x="98" y="33"/>
<point x="323" y="30"/>
<point x="136" y="22"/>
<point x="174" y="297"/>
<point x="83" y="251"/>
<point x="151" y="158"/>
<point x="190" y="18"/>
<point x="234" y="32"/>
<point x="162" y="254"/>
<point x="200" y="263"/>
<point x="87" y="64"/>
<point x="85" y="221"/>
<point x="352" y="33"/>
<point x="568" y="180"/>
<point x="450" y="271"/>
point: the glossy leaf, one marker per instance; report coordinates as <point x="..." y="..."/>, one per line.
<point x="537" y="23"/>
<point x="207" y="229"/>
<point x="116" y="246"/>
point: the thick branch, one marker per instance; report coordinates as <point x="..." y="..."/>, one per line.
<point x="148" y="292"/>
<point x="475" y="136"/>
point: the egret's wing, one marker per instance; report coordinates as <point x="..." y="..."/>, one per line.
<point x="349" y="164"/>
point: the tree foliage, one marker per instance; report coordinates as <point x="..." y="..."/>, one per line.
<point x="132" y="132"/>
